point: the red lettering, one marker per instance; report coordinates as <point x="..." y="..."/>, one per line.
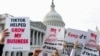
<point x="72" y="35"/>
<point x="91" y="45"/>
<point x="92" y="41"/>
<point x="93" y="36"/>
<point x="51" y="39"/>
<point x="17" y="41"/>
<point x="17" y="29"/>
<point x="17" y="35"/>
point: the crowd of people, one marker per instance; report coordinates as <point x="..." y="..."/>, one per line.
<point x="37" y="51"/>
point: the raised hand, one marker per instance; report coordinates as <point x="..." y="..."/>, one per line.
<point x="36" y="52"/>
<point x="64" y="45"/>
<point x="75" y="44"/>
<point x="3" y="34"/>
<point x="98" y="48"/>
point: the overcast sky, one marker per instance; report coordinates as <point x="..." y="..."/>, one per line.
<point x="77" y="14"/>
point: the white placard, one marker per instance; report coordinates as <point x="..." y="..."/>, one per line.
<point x="93" y="39"/>
<point x="73" y="35"/>
<point x="88" y="51"/>
<point x="53" y="39"/>
<point x="19" y="38"/>
<point x="89" y="48"/>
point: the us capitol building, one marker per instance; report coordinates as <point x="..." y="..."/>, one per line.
<point x="38" y="31"/>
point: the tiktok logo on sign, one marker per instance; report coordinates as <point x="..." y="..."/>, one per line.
<point x="82" y="36"/>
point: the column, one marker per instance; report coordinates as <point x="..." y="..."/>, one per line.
<point x="9" y="53"/>
<point x="14" y="53"/>
<point x="6" y="53"/>
<point x="33" y="37"/>
<point x="19" y="53"/>
<point x="37" y="38"/>
<point x="40" y="38"/>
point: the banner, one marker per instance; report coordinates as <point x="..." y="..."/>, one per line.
<point x="90" y="47"/>
<point x="73" y="35"/>
<point x="19" y="38"/>
<point x="53" y="39"/>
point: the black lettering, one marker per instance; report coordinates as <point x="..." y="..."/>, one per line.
<point x="82" y="37"/>
<point x="83" y="52"/>
<point x="90" y="49"/>
<point x="17" y="24"/>
<point x="50" y="43"/>
<point x="88" y="54"/>
<point x="18" y="20"/>
<point x="59" y="43"/>
<point x="49" y="47"/>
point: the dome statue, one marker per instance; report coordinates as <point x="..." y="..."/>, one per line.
<point x="53" y="18"/>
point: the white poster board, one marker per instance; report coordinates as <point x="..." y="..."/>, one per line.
<point x="19" y="38"/>
<point x="88" y="51"/>
<point x="53" y="39"/>
<point x="73" y="35"/>
<point x="90" y="47"/>
<point x="93" y="39"/>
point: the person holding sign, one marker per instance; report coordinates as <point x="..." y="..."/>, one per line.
<point x="3" y="34"/>
<point x="36" y="52"/>
<point x="64" y="51"/>
<point x="57" y="53"/>
<point x="72" y="51"/>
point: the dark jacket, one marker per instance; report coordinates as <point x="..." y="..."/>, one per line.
<point x="1" y="49"/>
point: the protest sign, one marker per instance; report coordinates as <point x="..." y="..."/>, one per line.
<point x="73" y="35"/>
<point x="93" y="39"/>
<point x="19" y="38"/>
<point x="45" y="54"/>
<point x="53" y="39"/>
<point x="89" y="48"/>
<point x="88" y="51"/>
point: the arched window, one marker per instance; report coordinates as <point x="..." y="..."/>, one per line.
<point x="19" y="54"/>
<point x="30" y="54"/>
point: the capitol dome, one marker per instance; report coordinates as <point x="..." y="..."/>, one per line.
<point x="53" y="18"/>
